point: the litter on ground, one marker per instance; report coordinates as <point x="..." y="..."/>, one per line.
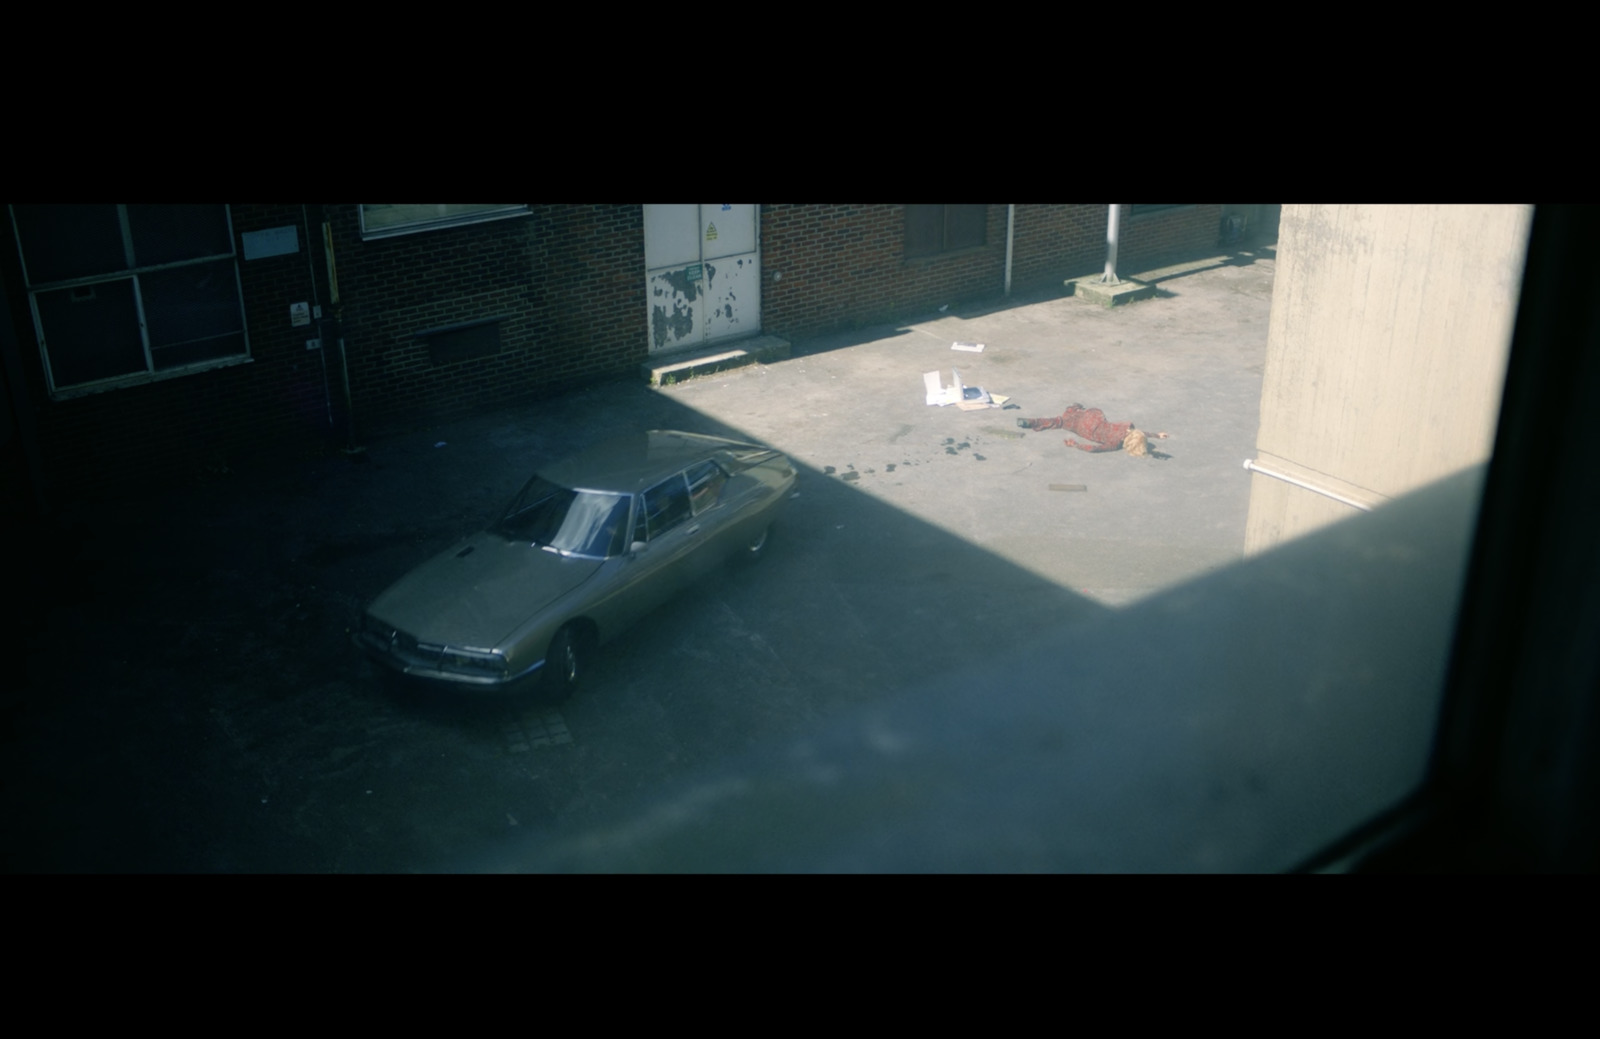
<point x="967" y="398"/>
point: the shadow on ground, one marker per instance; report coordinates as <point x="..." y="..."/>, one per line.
<point x="191" y="701"/>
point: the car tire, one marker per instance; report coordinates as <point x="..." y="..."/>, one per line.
<point x="565" y="663"/>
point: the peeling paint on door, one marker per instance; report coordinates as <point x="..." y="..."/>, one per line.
<point x="734" y="282"/>
<point x="675" y="304"/>
<point x="669" y="327"/>
<point x="693" y="300"/>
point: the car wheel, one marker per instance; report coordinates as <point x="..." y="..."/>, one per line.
<point x="757" y="546"/>
<point x="564" y="663"/>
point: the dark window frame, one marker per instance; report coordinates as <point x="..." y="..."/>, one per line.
<point x="939" y="230"/>
<point x="137" y="279"/>
<point x="390" y="220"/>
<point x="463" y="342"/>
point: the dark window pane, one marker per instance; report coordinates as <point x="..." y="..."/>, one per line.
<point x="165" y="234"/>
<point x="924" y="230"/>
<point x="705" y="485"/>
<point x="667" y="504"/>
<point x="91" y="332"/>
<point x="964" y="226"/>
<point x="61" y="242"/>
<point x="192" y="313"/>
<point x="459" y="344"/>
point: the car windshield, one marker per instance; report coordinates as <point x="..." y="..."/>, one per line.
<point x="584" y="523"/>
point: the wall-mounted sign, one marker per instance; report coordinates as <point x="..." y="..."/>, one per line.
<point x="274" y="241"/>
<point x="299" y="314"/>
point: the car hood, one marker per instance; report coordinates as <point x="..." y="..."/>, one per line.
<point x="477" y="593"/>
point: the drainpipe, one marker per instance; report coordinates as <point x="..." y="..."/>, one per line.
<point x="1254" y="468"/>
<point x="1011" y="223"/>
<point x="1110" y="276"/>
<point x="316" y="308"/>
<point x="335" y="332"/>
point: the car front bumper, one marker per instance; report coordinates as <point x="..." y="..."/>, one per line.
<point x="406" y="656"/>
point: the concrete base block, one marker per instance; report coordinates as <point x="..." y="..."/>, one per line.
<point x="1091" y="288"/>
<point x="671" y="368"/>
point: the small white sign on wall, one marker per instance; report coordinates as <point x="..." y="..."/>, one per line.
<point x="299" y="314"/>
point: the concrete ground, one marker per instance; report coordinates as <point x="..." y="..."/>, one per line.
<point x="1188" y="363"/>
<point x="191" y="701"/>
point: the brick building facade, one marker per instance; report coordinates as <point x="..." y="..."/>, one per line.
<point x="469" y="315"/>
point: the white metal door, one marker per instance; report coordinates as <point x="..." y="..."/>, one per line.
<point x="703" y="274"/>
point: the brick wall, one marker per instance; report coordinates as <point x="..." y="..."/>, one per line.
<point x="835" y="267"/>
<point x="1165" y="235"/>
<point x="828" y="268"/>
<point x="567" y="283"/>
<point x="1053" y="243"/>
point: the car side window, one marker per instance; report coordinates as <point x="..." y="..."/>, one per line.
<point x="705" y="485"/>
<point x="666" y="505"/>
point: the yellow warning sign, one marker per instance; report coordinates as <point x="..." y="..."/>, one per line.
<point x="711" y="232"/>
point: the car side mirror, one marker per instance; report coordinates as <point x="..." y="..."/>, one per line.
<point x="637" y="547"/>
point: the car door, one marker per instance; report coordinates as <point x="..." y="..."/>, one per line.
<point x="711" y="514"/>
<point x="665" y="525"/>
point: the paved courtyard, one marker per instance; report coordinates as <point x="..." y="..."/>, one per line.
<point x="191" y="701"/>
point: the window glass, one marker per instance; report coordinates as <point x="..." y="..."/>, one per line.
<point x="584" y="523"/>
<point x="92" y="331"/>
<point x="705" y="485"/>
<point x="167" y="234"/>
<point x="378" y="221"/>
<point x="666" y="505"/>
<point x="64" y="242"/>
<point x="924" y="230"/>
<point x="938" y="229"/>
<point x="192" y="313"/>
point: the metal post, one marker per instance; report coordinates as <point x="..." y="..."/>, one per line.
<point x="1115" y="222"/>
<point x="1011" y="223"/>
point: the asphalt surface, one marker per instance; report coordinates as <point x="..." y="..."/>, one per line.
<point x="191" y="702"/>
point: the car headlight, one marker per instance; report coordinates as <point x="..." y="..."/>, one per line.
<point x="473" y="662"/>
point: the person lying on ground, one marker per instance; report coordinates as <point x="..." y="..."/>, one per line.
<point x="1092" y="425"/>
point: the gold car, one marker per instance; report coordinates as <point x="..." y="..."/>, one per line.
<point x="587" y="547"/>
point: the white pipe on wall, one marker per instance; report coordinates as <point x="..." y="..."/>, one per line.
<point x="1251" y="465"/>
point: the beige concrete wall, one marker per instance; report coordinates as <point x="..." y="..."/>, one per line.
<point x="1386" y="351"/>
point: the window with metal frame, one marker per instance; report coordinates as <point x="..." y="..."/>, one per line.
<point x="931" y="230"/>
<point x="384" y="221"/>
<point x="123" y="294"/>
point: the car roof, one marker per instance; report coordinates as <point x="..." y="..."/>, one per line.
<point x="630" y="463"/>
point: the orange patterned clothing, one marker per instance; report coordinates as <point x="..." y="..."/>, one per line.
<point x="1089" y="423"/>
